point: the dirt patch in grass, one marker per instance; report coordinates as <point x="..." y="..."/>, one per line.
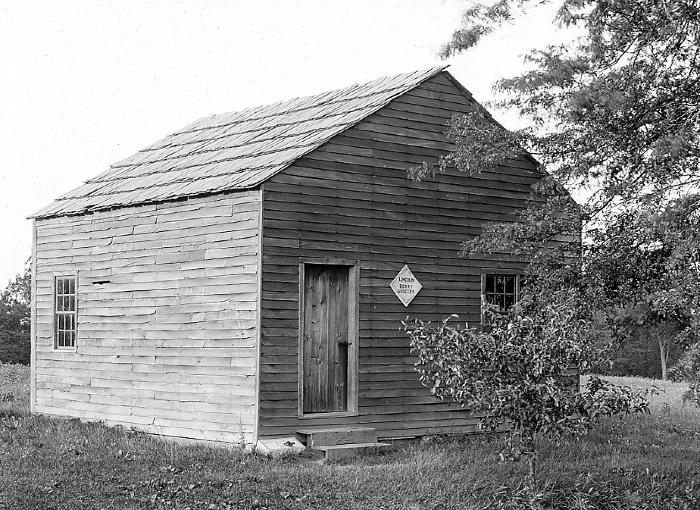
<point x="637" y="462"/>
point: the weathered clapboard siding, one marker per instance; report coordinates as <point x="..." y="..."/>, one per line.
<point x="189" y="308"/>
<point x="169" y="345"/>
<point x="352" y="199"/>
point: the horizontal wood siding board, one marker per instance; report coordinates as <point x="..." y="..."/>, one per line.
<point x="352" y="199"/>
<point x="511" y="171"/>
<point x="167" y="342"/>
<point x="479" y="192"/>
<point x="385" y="158"/>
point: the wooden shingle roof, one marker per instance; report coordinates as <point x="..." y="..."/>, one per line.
<point x="232" y="151"/>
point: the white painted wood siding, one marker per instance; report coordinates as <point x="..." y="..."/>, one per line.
<point x="169" y="345"/>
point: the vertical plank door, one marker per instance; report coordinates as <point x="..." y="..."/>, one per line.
<point x="325" y="338"/>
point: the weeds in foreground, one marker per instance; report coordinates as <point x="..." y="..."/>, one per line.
<point x="14" y="388"/>
<point x="645" y="462"/>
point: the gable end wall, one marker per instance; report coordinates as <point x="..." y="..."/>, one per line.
<point x="352" y="199"/>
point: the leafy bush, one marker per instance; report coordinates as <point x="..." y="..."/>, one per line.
<point x="516" y="372"/>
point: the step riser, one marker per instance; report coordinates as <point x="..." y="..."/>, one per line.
<point x="335" y="438"/>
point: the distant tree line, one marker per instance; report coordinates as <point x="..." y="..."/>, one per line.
<point x="15" y="319"/>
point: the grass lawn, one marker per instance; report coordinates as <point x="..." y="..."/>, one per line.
<point x="644" y="462"/>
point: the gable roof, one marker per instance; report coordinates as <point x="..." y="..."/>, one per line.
<point x="232" y="151"/>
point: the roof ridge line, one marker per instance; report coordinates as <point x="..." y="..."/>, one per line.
<point x="202" y="151"/>
<point x="432" y="72"/>
<point x="264" y="128"/>
<point x="235" y="171"/>
<point x="441" y="68"/>
<point x="315" y="105"/>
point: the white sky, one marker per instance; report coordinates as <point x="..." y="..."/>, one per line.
<point x="86" y="83"/>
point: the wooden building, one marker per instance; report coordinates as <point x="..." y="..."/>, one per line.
<point x="233" y="281"/>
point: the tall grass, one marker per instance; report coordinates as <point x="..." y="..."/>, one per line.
<point x="650" y="461"/>
<point x="14" y="388"/>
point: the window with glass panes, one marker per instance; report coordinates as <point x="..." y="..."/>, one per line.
<point x="501" y="289"/>
<point x="65" y="312"/>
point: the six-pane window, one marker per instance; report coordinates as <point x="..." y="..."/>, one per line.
<point x="501" y="289"/>
<point x="66" y="323"/>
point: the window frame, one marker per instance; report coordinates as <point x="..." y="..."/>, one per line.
<point x="55" y="312"/>
<point x="485" y="272"/>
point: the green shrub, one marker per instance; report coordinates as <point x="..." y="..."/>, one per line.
<point x="514" y="372"/>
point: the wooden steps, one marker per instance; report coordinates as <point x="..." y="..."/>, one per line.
<point x="343" y="451"/>
<point x="340" y="442"/>
<point x="336" y="435"/>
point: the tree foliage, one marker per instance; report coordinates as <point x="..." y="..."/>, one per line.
<point x="614" y="117"/>
<point x="617" y="111"/>
<point x="615" y="114"/>
<point x="647" y="270"/>
<point x="517" y="372"/>
<point x="15" y="319"/>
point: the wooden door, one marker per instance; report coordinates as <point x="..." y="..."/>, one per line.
<point x="325" y="331"/>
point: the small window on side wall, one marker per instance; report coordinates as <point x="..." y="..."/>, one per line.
<point x="65" y="311"/>
<point x="501" y="289"/>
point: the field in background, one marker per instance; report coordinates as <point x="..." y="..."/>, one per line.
<point x="662" y="394"/>
<point x="634" y="462"/>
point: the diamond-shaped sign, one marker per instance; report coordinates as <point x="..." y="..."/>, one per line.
<point x="405" y="286"/>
